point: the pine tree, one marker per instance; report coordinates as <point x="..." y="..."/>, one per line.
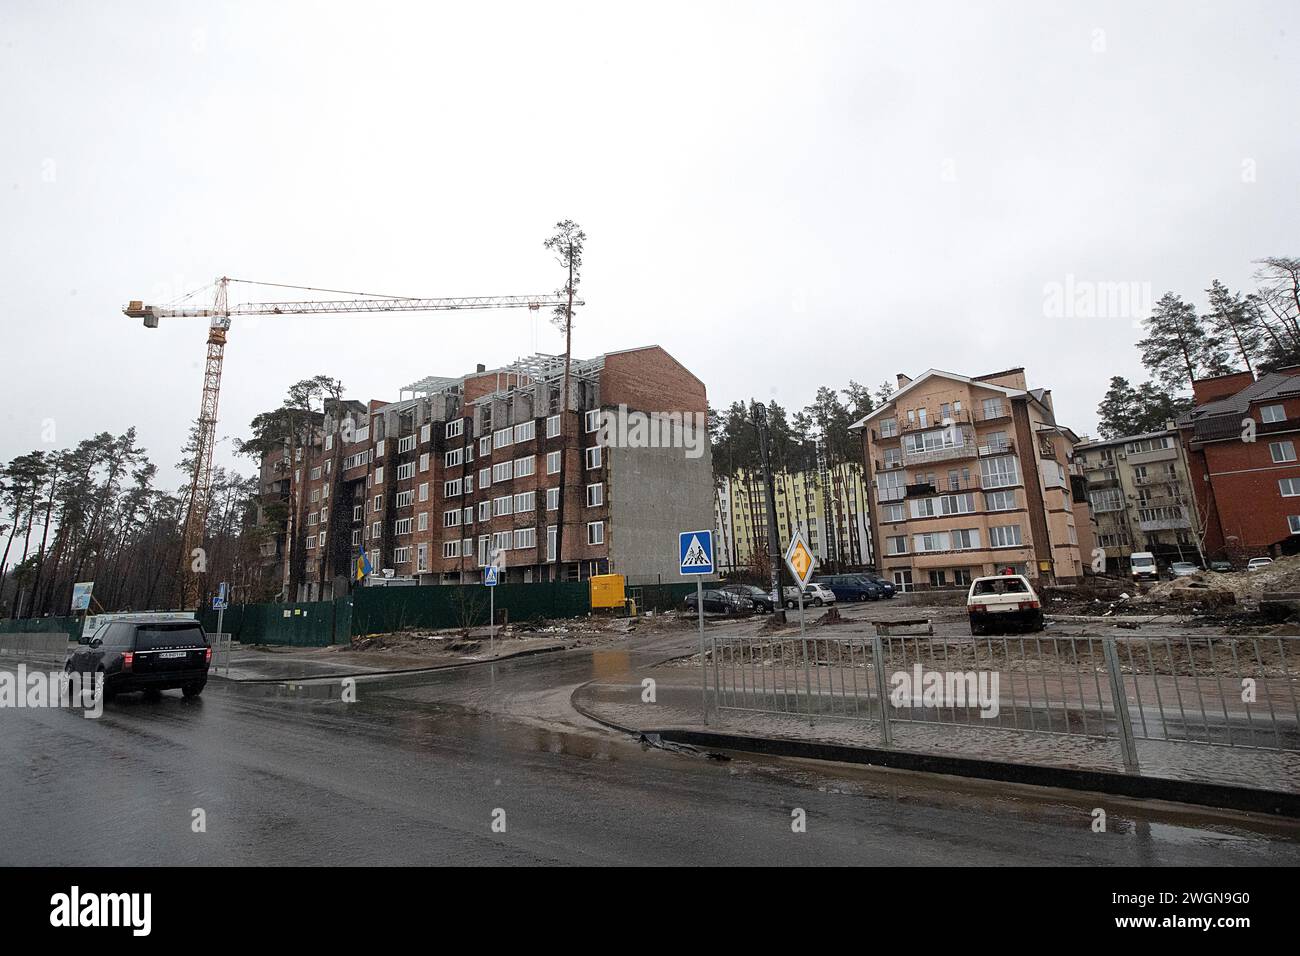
<point x="1176" y="347"/>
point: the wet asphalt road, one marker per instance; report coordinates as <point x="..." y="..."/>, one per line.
<point x="414" y="771"/>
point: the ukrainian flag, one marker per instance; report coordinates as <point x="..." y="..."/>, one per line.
<point x="363" y="565"/>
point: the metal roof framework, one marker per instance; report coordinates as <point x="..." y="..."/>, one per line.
<point x="542" y="368"/>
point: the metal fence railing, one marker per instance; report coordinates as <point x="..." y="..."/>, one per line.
<point x="1214" y="690"/>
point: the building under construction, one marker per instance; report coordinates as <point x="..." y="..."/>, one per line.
<point x="431" y="486"/>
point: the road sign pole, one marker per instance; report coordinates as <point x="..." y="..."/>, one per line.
<point x="221" y="616"/>
<point x="704" y="671"/>
<point x="492" y="622"/>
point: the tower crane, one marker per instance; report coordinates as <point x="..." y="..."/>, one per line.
<point x="219" y="314"/>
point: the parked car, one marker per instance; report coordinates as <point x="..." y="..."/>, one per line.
<point x="1142" y="565"/>
<point x="762" y="600"/>
<point x="851" y="587"/>
<point x="1002" y="601"/>
<point x="814" y="595"/>
<point x="1221" y="566"/>
<point x="1256" y="563"/>
<point x="886" y="586"/>
<point x="1183" y="569"/>
<point x="149" y="655"/>
<point x="717" y="601"/>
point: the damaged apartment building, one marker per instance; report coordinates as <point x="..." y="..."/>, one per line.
<point x="973" y="476"/>
<point x="430" y="487"/>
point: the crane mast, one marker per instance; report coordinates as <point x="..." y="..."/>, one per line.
<point x="197" y="503"/>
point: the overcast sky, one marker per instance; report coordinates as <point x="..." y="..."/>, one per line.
<point x="782" y="195"/>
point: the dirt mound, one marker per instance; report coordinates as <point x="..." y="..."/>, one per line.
<point x="1209" y="587"/>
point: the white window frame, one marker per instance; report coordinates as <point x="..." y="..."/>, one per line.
<point x="553" y="462"/>
<point x="593" y="460"/>
<point x="595" y="532"/>
<point x="1285" y="448"/>
<point x="455" y="428"/>
<point x="553" y="426"/>
<point x="591" y="421"/>
<point x="599" y="494"/>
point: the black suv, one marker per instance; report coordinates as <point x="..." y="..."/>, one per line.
<point x="151" y="656"/>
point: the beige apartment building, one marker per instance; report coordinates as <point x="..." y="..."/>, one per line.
<point x="1141" y="494"/>
<point x="971" y="476"/>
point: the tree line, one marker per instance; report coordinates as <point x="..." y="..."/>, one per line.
<point x="814" y="437"/>
<point x="1256" y="331"/>
<point x="93" y="512"/>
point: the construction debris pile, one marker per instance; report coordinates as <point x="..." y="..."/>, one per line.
<point x="1238" y="587"/>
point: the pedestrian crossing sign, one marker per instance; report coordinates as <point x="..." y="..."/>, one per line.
<point x="490" y="576"/>
<point x="695" y="548"/>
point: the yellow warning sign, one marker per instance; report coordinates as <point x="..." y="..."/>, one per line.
<point x="799" y="559"/>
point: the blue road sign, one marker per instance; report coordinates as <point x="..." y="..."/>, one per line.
<point x="490" y="576"/>
<point x="218" y="604"/>
<point x="695" y="548"/>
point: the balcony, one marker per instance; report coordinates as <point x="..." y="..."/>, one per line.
<point x="1156" y="454"/>
<point x="946" y="451"/>
<point x="923" y="489"/>
<point x="1006" y="447"/>
<point x="953" y="418"/>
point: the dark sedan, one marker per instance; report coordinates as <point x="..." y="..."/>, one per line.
<point x="717" y="601"/>
<point x="152" y="656"/>
<point x="762" y="600"/>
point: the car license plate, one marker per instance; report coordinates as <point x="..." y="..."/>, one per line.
<point x="171" y="655"/>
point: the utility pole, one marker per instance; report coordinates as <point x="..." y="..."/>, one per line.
<point x="769" y="493"/>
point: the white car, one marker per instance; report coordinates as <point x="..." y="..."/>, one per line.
<point x="814" y="595"/>
<point x="1000" y="601"/>
<point x="1256" y="563"/>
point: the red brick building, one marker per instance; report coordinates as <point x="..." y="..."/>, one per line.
<point x="1242" y="438"/>
<point x="429" y="486"/>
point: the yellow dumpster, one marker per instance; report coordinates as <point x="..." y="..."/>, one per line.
<point x="607" y="591"/>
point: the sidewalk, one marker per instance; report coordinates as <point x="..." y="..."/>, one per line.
<point x="1057" y="760"/>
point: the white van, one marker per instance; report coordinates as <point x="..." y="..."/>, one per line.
<point x="1142" y="565"/>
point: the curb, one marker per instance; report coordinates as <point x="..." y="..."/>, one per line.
<point x="1218" y="795"/>
<point x="325" y="678"/>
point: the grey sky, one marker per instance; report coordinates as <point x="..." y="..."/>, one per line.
<point x="782" y="195"/>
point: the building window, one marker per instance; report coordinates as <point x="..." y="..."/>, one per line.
<point x="525" y="466"/>
<point x="595" y="532"/>
<point x="993" y="408"/>
<point x="553" y="462"/>
<point x="998" y="472"/>
<point x="888" y="427"/>
<point x="595" y="495"/>
<point x="896" y="544"/>
<point x="451" y="518"/>
<point x="1000" y="501"/>
<point x="451" y="549"/>
<point x="424" y="491"/>
<point x="501" y="541"/>
<point x="423" y="523"/>
<point x="453" y="458"/>
<point x="1272" y="413"/>
<point x="402" y="526"/>
<point x="356" y="536"/>
<point x="377" y="504"/>
<point x="311" y="541"/>
<point x="934" y="541"/>
<point x="358" y="512"/>
<point x="424" y="461"/>
<point x="525" y="431"/>
<point x="405" y="443"/>
<point x="502" y="506"/>
<point x="966" y="539"/>
<point x="405" y="499"/>
<point x="426" y="432"/>
<point x="422" y="557"/>
<point x="525" y="537"/>
<point x="455" y="429"/>
<point x="482" y="550"/>
<point x="502" y="437"/>
<point x="1293" y="522"/>
<point x="376" y="529"/>
<point x="1290" y="487"/>
<point x="1106" y="499"/>
<point x="1004" y="536"/>
<point x="315" y="473"/>
<point x="890" y="486"/>
<point x="553" y="426"/>
<point x="450" y="489"/>
<point x="502" y="471"/>
<point x="485" y="446"/>
<point x="484" y="477"/>
<point x="525" y="501"/>
<point x="891" y="514"/>
<point x="593" y="456"/>
<point x="405" y="471"/>
<point x="552" y="499"/>
<point x="550" y="542"/>
<point x="1282" y="450"/>
<point x="329" y="442"/>
<point x="591" y="420"/>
